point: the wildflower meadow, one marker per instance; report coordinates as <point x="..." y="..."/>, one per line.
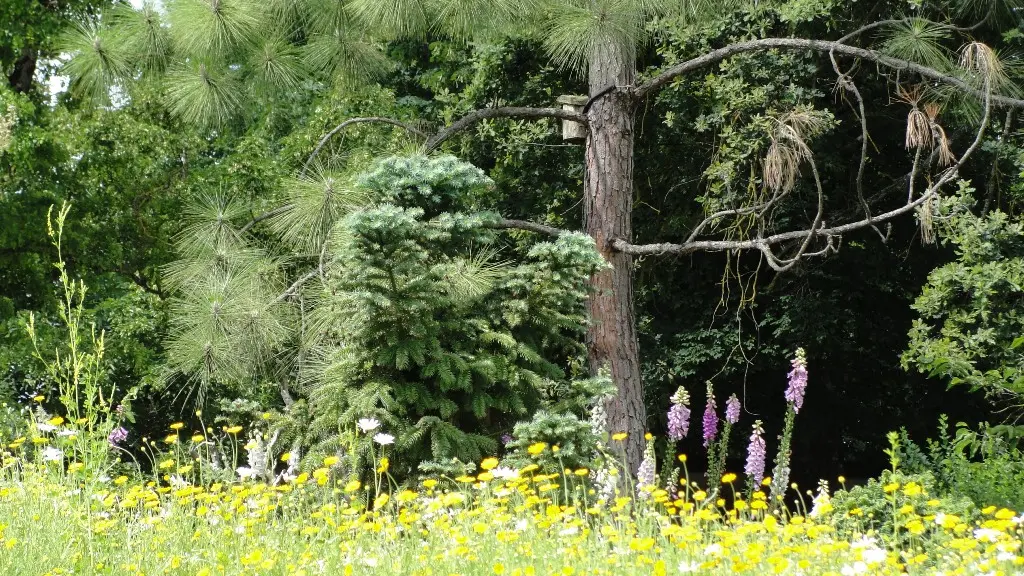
<point x="511" y="287"/>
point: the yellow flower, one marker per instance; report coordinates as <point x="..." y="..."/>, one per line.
<point x="197" y="438"/>
<point x="499" y="568"/>
<point x="328" y="462"/>
<point x="352" y="486"/>
<point x="728" y="478"/>
<point x="55" y="421"/>
<point x="582" y="472"/>
<point x="537" y="448"/>
<point x="167" y="464"/>
<point x="891" y="487"/>
<point x="619" y="436"/>
<point x="177" y="426"/>
<point x="233" y="429"/>
<point x="171" y="439"/>
<point x="489" y="464"/>
<point x="912" y="489"/>
<point x="767" y="481"/>
<point x="429" y="483"/>
<point x="286" y="456"/>
<point x="380" y="501"/>
<point x="120" y="480"/>
<point x="648" y="436"/>
<point x="38" y="398"/>
<point x="75" y="467"/>
<point x="682" y="458"/>
<point x="384" y="464"/>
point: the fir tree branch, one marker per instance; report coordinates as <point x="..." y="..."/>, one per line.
<point x="502" y="112"/>
<point x="715" y="56"/>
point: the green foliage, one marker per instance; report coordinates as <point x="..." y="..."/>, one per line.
<point x="970" y="321"/>
<point x="570" y="422"/>
<point x="985" y="465"/>
<point x="877" y="504"/>
<point x="445" y="350"/>
<point x="77" y="369"/>
<point x="410" y="315"/>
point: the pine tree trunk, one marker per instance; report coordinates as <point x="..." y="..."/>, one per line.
<point x="607" y="214"/>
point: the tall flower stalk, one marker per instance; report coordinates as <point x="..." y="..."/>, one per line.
<point x="710" y="420"/>
<point x="756" y="454"/>
<point x="679" y="415"/>
<point x="795" y="399"/>
<point x="647" y="474"/>
<point x="719" y="449"/>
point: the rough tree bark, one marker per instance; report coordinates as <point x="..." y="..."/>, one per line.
<point x="607" y="216"/>
<point x="20" y="79"/>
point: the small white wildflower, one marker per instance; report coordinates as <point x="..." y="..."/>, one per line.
<point x="857" y="568"/>
<point x="987" y="534"/>
<point x="873" y="555"/>
<point x="689" y="566"/>
<point x="45" y="427"/>
<point x="864" y="542"/>
<point x="51" y="454"/>
<point x="505" y="473"/>
<point x="246" y="473"/>
<point x="383" y="439"/>
<point x="940" y="518"/>
<point x="713" y="550"/>
<point x="368" y="424"/>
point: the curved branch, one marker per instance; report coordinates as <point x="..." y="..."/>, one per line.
<point x="503" y="112"/>
<point x="264" y="216"/>
<point x="716" y="56"/>
<point x="351" y="121"/>
<point x="846" y="83"/>
<point x="506" y="224"/>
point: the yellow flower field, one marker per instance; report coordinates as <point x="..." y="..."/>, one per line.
<point x="54" y="520"/>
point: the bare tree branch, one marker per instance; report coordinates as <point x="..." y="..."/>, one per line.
<point x="503" y="112"/>
<point x="846" y="83"/>
<point x="528" y="226"/>
<point x="993" y="177"/>
<point x="352" y="121"/>
<point x="647" y="88"/>
<point x="293" y="290"/>
<point x="764" y="244"/>
<point x="264" y="216"/>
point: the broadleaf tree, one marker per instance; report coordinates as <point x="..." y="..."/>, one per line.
<point x="229" y="57"/>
